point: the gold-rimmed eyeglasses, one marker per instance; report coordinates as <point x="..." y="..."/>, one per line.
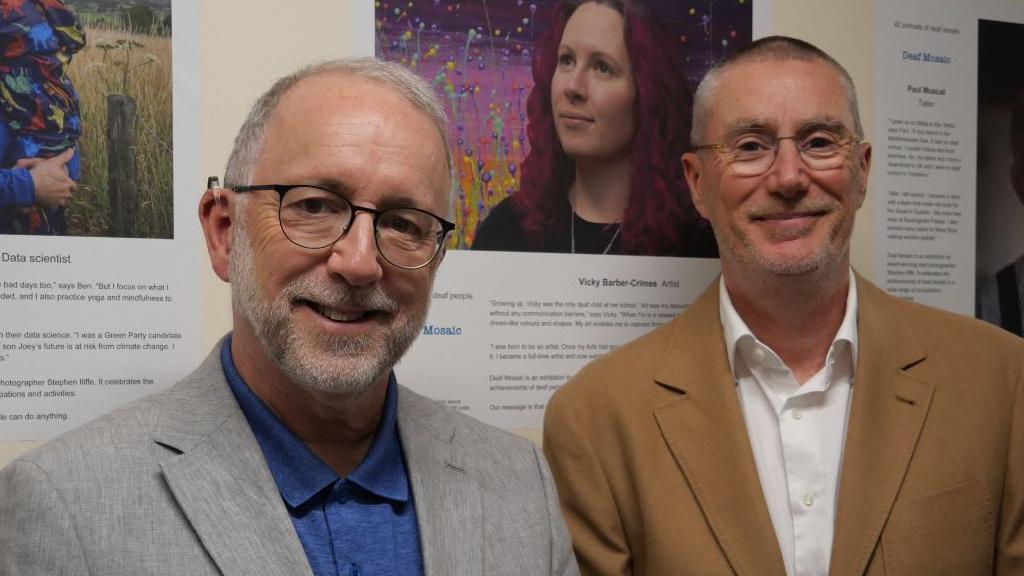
<point x="315" y="217"/>
<point x="754" y="154"/>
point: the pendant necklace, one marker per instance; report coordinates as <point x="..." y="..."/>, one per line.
<point x="572" y="232"/>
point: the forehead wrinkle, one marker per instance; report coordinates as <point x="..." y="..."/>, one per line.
<point x="360" y="146"/>
<point x="404" y="187"/>
<point x="741" y="125"/>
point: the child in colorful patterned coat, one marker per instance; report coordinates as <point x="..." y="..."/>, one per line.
<point x="39" y="115"/>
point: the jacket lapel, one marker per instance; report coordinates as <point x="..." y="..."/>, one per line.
<point x="887" y="414"/>
<point x="705" y="431"/>
<point x="221" y="481"/>
<point x="449" y="505"/>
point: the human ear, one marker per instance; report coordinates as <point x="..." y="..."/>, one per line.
<point x="693" y="171"/>
<point x="864" y="166"/>
<point x="216" y="217"/>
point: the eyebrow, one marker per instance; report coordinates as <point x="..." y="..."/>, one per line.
<point x="330" y="184"/>
<point x="594" y="54"/>
<point x="388" y="200"/>
<point x="763" y="126"/>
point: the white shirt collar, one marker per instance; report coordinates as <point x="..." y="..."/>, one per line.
<point x="735" y="329"/>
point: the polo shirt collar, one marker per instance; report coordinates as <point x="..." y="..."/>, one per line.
<point x="299" y="473"/>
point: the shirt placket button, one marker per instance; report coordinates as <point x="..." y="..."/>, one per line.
<point x="341" y="493"/>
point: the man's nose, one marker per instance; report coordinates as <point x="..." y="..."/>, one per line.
<point x="788" y="175"/>
<point x="354" y="256"/>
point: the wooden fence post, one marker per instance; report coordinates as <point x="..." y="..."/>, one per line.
<point x="122" y="187"/>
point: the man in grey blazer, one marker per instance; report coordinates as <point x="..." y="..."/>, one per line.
<point x="292" y="449"/>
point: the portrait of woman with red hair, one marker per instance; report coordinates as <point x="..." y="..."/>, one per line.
<point x="609" y="118"/>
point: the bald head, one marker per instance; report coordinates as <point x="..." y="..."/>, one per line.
<point x="416" y="92"/>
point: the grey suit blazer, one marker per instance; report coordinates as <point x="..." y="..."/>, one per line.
<point x="176" y="484"/>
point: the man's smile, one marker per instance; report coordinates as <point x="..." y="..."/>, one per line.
<point x="345" y="314"/>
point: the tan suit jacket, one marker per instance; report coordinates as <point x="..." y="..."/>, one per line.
<point x="656" y="476"/>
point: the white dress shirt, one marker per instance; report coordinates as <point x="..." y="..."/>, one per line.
<point x="796" y="432"/>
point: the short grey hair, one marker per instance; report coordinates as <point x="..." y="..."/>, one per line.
<point x="412" y="88"/>
<point x="769" y="48"/>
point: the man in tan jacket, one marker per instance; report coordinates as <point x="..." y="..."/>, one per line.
<point x="795" y="419"/>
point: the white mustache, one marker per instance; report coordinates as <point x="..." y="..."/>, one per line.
<point x="338" y="294"/>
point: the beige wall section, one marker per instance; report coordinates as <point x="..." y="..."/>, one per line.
<point x="246" y="45"/>
<point x="846" y="30"/>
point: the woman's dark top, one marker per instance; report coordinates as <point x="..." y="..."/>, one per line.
<point x="502" y="230"/>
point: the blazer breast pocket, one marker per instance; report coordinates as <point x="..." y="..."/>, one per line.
<point x="951" y="531"/>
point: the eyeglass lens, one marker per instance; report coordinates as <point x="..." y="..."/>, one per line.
<point x="315" y="218"/>
<point x="754" y="154"/>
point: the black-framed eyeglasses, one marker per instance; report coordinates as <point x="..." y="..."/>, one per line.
<point x="754" y="154"/>
<point x="314" y="217"/>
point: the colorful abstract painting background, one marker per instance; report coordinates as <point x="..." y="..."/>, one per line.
<point x="477" y="56"/>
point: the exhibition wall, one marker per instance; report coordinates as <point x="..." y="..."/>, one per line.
<point x="226" y="53"/>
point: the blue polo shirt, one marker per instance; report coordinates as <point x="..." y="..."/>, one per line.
<point x="360" y="525"/>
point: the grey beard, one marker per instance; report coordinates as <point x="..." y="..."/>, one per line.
<point x="318" y="362"/>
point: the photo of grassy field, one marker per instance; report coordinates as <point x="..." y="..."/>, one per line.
<point x="127" y="59"/>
